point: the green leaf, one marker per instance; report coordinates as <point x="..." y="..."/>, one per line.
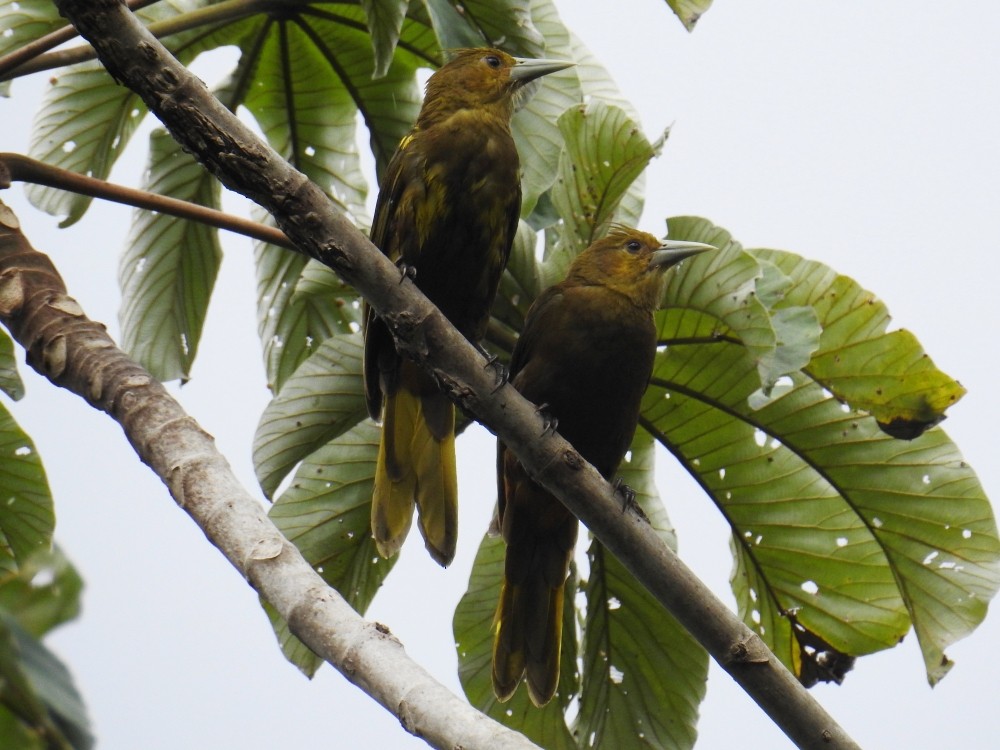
<point x="41" y="593"/>
<point x="85" y="122"/>
<point x="24" y="22"/>
<point x="631" y="646"/>
<point x="689" y="11"/>
<point x="605" y="151"/>
<point x="323" y="399"/>
<point x="326" y="513"/>
<point x="294" y="650"/>
<point x="644" y="676"/>
<point x="37" y="688"/>
<point x="10" y="380"/>
<point x="833" y="521"/>
<point x="885" y="374"/>
<point x="473" y="629"/>
<point x="290" y="327"/>
<point x="535" y="128"/>
<point x="26" y="515"/>
<point x="169" y="267"/>
<point x="714" y="296"/>
<point x="319" y="281"/>
<point x="385" y="21"/>
<point x="486" y="23"/>
<point x="86" y="118"/>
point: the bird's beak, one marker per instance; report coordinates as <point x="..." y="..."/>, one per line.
<point x="672" y="252"/>
<point x="527" y="69"/>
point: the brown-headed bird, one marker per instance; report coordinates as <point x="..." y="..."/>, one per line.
<point x="586" y="354"/>
<point x="446" y="213"/>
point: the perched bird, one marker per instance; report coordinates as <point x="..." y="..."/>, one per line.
<point x="446" y="213"/>
<point x="586" y="354"/>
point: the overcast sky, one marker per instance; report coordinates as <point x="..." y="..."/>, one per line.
<point x="864" y="135"/>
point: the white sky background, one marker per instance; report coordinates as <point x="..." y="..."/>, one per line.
<point x="863" y="135"/>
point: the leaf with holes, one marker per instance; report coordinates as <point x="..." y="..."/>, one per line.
<point x="323" y="399"/>
<point x="631" y="647"/>
<point x="885" y="374"/>
<point x="27" y="518"/>
<point x="42" y="592"/>
<point x="86" y="118"/>
<point x="851" y="532"/>
<point x="169" y="267"/>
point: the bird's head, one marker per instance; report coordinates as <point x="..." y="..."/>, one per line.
<point x="483" y="78"/>
<point x="633" y="263"/>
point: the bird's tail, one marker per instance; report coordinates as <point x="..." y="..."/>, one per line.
<point x="528" y="637"/>
<point x="416" y="464"/>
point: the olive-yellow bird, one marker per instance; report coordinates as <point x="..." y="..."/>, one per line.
<point x="586" y="353"/>
<point x="446" y="213"/>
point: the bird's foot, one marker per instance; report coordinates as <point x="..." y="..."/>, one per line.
<point x="493" y="363"/>
<point x="406" y="271"/>
<point x="628" y="499"/>
<point x="549" y="423"/>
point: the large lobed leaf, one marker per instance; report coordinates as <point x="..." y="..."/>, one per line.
<point x="322" y="400"/>
<point x="169" y="267"/>
<point x="312" y="79"/>
<point x="843" y="535"/>
<point x="887" y="374"/>
<point x="605" y="151"/>
<point x="86" y="118"/>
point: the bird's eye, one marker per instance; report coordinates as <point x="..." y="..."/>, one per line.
<point x="493" y="61"/>
<point x="633" y="246"/>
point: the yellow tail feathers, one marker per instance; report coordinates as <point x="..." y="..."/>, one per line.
<point x="416" y="465"/>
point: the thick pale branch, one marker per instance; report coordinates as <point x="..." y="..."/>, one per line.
<point x="229" y="149"/>
<point x="77" y="354"/>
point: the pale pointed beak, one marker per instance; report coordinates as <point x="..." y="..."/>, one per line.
<point x="672" y="252"/>
<point x="527" y="69"/>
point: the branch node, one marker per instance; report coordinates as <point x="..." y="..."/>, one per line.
<point x="266" y="548"/>
<point x="66" y="304"/>
<point x="54" y="356"/>
<point x="572" y="459"/>
<point x="749" y="651"/>
<point x="11" y="288"/>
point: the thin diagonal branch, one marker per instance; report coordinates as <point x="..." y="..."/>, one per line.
<point x="15" y="167"/>
<point x="234" y="154"/>
<point x="76" y="353"/>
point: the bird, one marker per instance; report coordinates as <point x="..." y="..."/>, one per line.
<point x="446" y="214"/>
<point x="585" y="356"/>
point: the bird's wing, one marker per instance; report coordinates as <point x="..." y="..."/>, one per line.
<point x="394" y="233"/>
<point x="536" y="325"/>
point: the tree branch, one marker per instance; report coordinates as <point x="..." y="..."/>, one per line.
<point x="229" y="150"/>
<point x="77" y="354"/>
<point x="25" y="169"/>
